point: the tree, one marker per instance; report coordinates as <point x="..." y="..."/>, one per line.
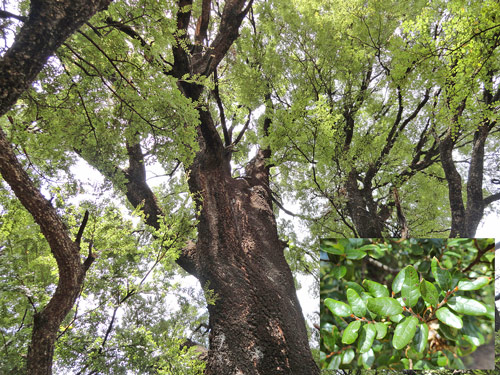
<point x="238" y="251"/>
<point x="375" y="86"/>
<point x="238" y="103"/>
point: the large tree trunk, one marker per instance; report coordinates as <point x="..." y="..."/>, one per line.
<point x="256" y="323"/>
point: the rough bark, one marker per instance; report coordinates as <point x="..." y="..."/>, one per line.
<point x="454" y="180"/>
<point x="49" y="23"/>
<point x="367" y="223"/>
<point x="256" y="324"/>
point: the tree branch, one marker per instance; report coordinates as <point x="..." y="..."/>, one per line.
<point x="82" y="228"/>
<point x="5" y="14"/>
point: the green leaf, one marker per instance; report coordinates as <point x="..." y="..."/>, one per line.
<point x="335" y="362"/>
<point x="384" y="306"/>
<point x="376" y="289"/>
<point x="355" y="254"/>
<point x="471" y="333"/>
<point x="351" y="332"/>
<point x="467" y="306"/>
<point x="381" y="330"/>
<point x="396" y="318"/>
<point x="421" y="337"/>
<point x="339" y="272"/>
<point x="404" y="332"/>
<point x="357" y="304"/>
<point x="358" y="288"/>
<point x="441" y="276"/>
<point x="365" y="342"/>
<point x="448" y="318"/>
<point x="410" y="291"/>
<point x="474" y="284"/>
<point x="429" y="292"/>
<point x="348" y="356"/>
<point x="367" y="359"/>
<point x="338" y="308"/>
<point x="398" y="281"/>
<point x="331" y="247"/>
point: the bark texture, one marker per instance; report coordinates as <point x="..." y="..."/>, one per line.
<point x="49" y="23"/>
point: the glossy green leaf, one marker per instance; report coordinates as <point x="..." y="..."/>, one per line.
<point x="474" y="284"/>
<point x="348" y="356"/>
<point x="339" y="272"/>
<point x="467" y="306"/>
<point x="376" y="289"/>
<point x="338" y="308"/>
<point x="398" y="281"/>
<point x="357" y="304"/>
<point x="396" y="318"/>
<point x="367" y="359"/>
<point x="441" y="276"/>
<point x="381" y="330"/>
<point x="421" y="337"/>
<point x="358" y="288"/>
<point x="404" y="332"/>
<point x="335" y="362"/>
<point x="384" y="306"/>
<point x="410" y="290"/>
<point x="366" y="337"/>
<point x="355" y="254"/>
<point x="471" y="333"/>
<point x="447" y="317"/>
<point x="351" y="332"/>
<point x="331" y="247"/>
<point x="429" y="293"/>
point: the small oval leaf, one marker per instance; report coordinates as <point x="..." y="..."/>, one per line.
<point x="376" y="289"/>
<point x="368" y="333"/>
<point x="421" y="337"/>
<point x="338" y="308"/>
<point x="384" y="306"/>
<point x="467" y="306"/>
<point x="441" y="276"/>
<point x="474" y="284"/>
<point x="381" y="330"/>
<point x="339" y="272"/>
<point x="410" y="291"/>
<point x="351" y="332"/>
<point x="397" y="283"/>
<point x="357" y="304"/>
<point x="429" y="293"/>
<point x="404" y="332"/>
<point x="355" y="254"/>
<point x="447" y="317"/>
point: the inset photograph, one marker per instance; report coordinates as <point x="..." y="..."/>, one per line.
<point x="407" y="304"/>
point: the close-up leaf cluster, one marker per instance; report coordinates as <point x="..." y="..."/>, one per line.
<point x="405" y="304"/>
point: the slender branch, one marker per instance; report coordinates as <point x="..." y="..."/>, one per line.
<point x="82" y="227"/>
<point x="479" y="255"/>
<point x="242" y="132"/>
<point x="222" y="115"/>
<point x="491" y="199"/>
<point x="5" y="14"/>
